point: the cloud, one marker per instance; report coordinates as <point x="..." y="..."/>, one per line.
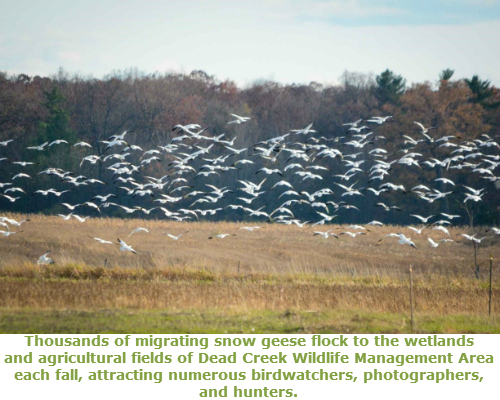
<point x="251" y="40"/>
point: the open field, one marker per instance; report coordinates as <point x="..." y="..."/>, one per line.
<point x="287" y="280"/>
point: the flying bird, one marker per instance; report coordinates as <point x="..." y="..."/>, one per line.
<point x="43" y="260"/>
<point x="222" y="235"/>
<point x="238" y="120"/>
<point x="176" y="237"/>
<point x="102" y="241"/>
<point x="138" y="230"/>
<point x="402" y="239"/>
<point x="125" y="247"/>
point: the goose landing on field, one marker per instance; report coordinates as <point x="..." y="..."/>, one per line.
<point x="9" y="233"/>
<point x="43" y="260"/>
<point x="222" y="235"/>
<point x="102" y="241"/>
<point x="434" y="244"/>
<point x="402" y="239"/>
<point x="176" y="237"/>
<point x="138" y="230"/>
<point x="325" y="234"/>
<point x="251" y="228"/>
<point x="125" y="247"/>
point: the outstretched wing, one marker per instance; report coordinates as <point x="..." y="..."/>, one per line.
<point x="419" y="124"/>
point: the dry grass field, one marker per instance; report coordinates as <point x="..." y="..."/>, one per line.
<point x="275" y="279"/>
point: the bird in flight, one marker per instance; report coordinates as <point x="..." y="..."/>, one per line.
<point x="176" y="237"/>
<point x="222" y="235"/>
<point x="402" y="239"/>
<point x="102" y="241"/>
<point x="125" y="247"/>
<point x="238" y="120"/>
<point x="138" y="230"/>
<point x="43" y="260"/>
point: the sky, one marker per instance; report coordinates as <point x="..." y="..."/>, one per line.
<point x="289" y="41"/>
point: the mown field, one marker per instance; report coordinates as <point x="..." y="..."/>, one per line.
<point x="279" y="279"/>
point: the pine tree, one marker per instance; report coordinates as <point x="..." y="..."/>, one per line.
<point x="481" y="92"/>
<point x="446" y="74"/>
<point x="56" y="125"/>
<point x="390" y="87"/>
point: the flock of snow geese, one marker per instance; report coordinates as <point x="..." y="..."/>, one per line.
<point x="304" y="152"/>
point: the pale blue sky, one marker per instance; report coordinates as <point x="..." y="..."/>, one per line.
<point x="285" y="40"/>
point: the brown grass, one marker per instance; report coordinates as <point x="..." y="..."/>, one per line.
<point x="239" y="295"/>
<point x="273" y="249"/>
<point x="281" y="268"/>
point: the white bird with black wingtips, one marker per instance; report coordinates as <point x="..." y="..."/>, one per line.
<point x="125" y="247"/>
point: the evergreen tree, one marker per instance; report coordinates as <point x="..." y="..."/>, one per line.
<point x="56" y="125"/>
<point x="481" y="92"/>
<point x="390" y="87"/>
<point x="446" y="74"/>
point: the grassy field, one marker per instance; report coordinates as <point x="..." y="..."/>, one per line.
<point x="276" y="279"/>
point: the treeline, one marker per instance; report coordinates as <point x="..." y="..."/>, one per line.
<point x="76" y="108"/>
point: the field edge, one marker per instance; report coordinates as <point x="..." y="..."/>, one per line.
<point x="167" y="321"/>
